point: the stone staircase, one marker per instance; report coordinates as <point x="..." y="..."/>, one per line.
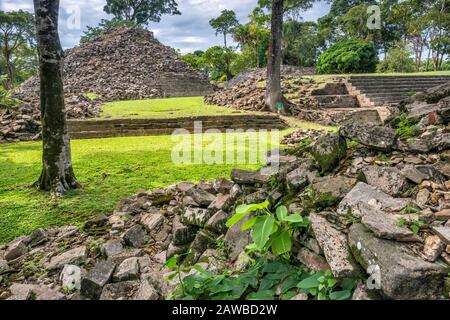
<point x="91" y="129"/>
<point x="383" y="91"/>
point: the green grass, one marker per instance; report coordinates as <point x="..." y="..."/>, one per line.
<point x="163" y="108"/>
<point x="108" y="169"/>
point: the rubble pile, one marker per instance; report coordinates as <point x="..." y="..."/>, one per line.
<point x="377" y="198"/>
<point x="22" y="122"/>
<point x="311" y="99"/>
<point x="125" y="64"/>
<point x="121" y="64"/>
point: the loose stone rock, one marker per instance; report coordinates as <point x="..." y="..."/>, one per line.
<point x="112" y="247"/>
<point x="35" y="292"/>
<point x="386" y="226"/>
<point x="388" y="179"/>
<point x="443" y="233"/>
<point x="397" y="278"/>
<point x="16" y="249"/>
<point x="336" y="186"/>
<point x="152" y="221"/>
<point x="363" y="193"/>
<point x="119" y="291"/>
<point x="135" y="236"/>
<point x="200" y="196"/>
<point x="334" y="246"/>
<point x="92" y="285"/>
<point x="312" y="261"/>
<point x="248" y="177"/>
<point x="371" y="135"/>
<point x="217" y="222"/>
<point x="71" y="277"/>
<point x="433" y="247"/>
<point x="195" y="216"/>
<point x="328" y="150"/>
<point x="74" y="256"/>
<point x="237" y="239"/>
<point x="182" y="234"/>
<point x="411" y="173"/>
<point x="127" y="270"/>
<point x="422" y="197"/>
<point x="443" y="215"/>
<point x="146" y="292"/>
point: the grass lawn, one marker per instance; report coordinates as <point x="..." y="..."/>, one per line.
<point x="108" y="169"/>
<point x="163" y="108"/>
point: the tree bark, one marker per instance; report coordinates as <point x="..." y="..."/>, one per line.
<point x="57" y="174"/>
<point x="9" y="67"/>
<point x="275" y="101"/>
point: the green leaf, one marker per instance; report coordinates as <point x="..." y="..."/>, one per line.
<point x="341" y="295"/>
<point x="281" y="243"/>
<point x="294" y="218"/>
<point x="171" y="276"/>
<point x="200" y="269"/>
<point x="261" y="295"/>
<point x="262" y="230"/>
<point x="310" y="282"/>
<point x="331" y="283"/>
<point x="282" y="213"/>
<point x="415" y="229"/>
<point x="321" y="296"/>
<point x="248" y="224"/>
<point x="243" y="210"/>
<point x="172" y="262"/>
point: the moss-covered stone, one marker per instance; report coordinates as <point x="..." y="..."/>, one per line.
<point x="328" y="150"/>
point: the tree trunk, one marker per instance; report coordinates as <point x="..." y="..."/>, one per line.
<point x="57" y="174"/>
<point x="225" y="40"/>
<point x="9" y="67"/>
<point x="275" y="101"/>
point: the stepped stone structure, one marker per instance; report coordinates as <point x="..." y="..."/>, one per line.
<point x="87" y="129"/>
<point x="383" y="91"/>
<point x="127" y="64"/>
<point x="122" y="64"/>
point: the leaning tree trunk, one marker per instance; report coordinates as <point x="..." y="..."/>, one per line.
<point x="275" y="101"/>
<point x="57" y="172"/>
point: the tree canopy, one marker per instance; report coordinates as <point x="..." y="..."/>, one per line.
<point x="17" y="38"/>
<point x="225" y="24"/>
<point x="141" y="11"/>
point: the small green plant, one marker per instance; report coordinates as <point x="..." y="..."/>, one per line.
<point x="410" y="209"/>
<point x="261" y="280"/>
<point x="415" y="226"/>
<point x="270" y="231"/>
<point x="223" y="249"/>
<point x="5" y="98"/>
<point x="407" y="128"/>
<point x="321" y="285"/>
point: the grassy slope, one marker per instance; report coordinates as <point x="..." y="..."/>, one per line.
<point x="163" y="108"/>
<point x="108" y="169"/>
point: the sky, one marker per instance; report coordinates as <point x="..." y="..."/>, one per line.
<point x="189" y="32"/>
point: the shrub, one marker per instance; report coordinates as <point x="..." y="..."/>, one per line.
<point x="348" y="56"/>
<point x="398" y="59"/>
